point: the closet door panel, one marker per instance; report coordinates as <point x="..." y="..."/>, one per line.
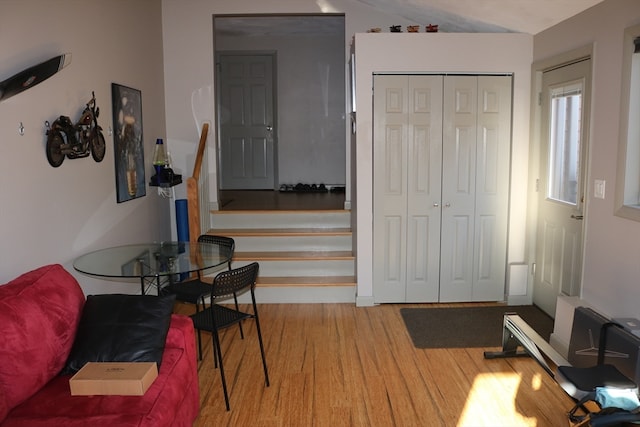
<point x="492" y="187"/>
<point x="390" y="157"/>
<point x="458" y="188"/>
<point x="424" y="133"/>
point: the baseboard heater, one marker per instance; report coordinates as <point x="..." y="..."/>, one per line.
<point x="517" y="333"/>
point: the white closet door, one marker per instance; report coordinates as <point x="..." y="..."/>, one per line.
<point x="390" y="188"/>
<point x="407" y="172"/>
<point x="458" y="187"/>
<point x="441" y="187"/>
<point x="424" y="136"/>
<point x="475" y="187"/>
<point x="492" y="188"/>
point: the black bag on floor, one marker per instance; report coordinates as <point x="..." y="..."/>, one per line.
<point x="615" y="406"/>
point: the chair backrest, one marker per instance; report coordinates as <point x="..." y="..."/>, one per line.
<point x="223" y="241"/>
<point x="234" y="281"/>
<point x="227" y="242"/>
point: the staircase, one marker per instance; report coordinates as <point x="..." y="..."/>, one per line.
<point x="304" y="256"/>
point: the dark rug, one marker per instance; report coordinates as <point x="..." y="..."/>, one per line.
<point x="468" y="326"/>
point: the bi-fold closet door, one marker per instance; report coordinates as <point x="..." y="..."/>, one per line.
<point x="440" y="187"/>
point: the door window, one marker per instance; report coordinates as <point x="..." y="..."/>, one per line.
<point x="564" y="143"/>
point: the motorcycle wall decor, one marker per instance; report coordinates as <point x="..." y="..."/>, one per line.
<point x="76" y="140"/>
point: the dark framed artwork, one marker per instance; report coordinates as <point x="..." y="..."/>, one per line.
<point x="128" y="142"/>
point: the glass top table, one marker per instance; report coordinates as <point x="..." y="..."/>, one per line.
<point x="152" y="262"/>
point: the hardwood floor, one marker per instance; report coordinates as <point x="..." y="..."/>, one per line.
<point x="342" y="365"/>
<point x="276" y="200"/>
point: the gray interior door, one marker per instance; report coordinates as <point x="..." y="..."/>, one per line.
<point x="245" y="118"/>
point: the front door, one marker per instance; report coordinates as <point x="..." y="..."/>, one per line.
<point x="246" y="120"/>
<point x="561" y="183"/>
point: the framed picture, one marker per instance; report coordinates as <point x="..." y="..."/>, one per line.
<point x="128" y="147"/>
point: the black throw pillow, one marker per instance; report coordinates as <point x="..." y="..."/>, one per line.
<point x="121" y="328"/>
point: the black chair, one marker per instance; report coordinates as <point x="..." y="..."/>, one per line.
<point x="217" y="316"/>
<point x="195" y="291"/>
<point x="579" y="382"/>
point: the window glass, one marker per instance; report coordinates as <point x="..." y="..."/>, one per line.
<point x="564" y="139"/>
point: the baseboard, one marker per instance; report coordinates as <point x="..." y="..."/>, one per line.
<point x="559" y="345"/>
<point x="365" y="301"/>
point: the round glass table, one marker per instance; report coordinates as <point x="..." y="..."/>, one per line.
<point x="153" y="263"/>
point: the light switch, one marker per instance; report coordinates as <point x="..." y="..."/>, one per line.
<point x="598" y="188"/>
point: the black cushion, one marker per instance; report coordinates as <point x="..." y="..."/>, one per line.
<point x="121" y="328"/>
<point x="587" y="379"/>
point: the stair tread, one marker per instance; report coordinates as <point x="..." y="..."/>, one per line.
<point x="307" y="280"/>
<point x="281" y="231"/>
<point x="293" y="255"/>
<point x="279" y="211"/>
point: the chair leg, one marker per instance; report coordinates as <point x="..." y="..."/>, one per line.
<point x="264" y="359"/>
<point x="215" y="356"/>
<point x="235" y="298"/>
<point x="199" y="333"/>
<point x="218" y="353"/>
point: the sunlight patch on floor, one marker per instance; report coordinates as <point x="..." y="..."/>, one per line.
<point x="482" y="409"/>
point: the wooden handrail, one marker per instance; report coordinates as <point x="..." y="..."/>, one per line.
<point x="197" y="166"/>
<point x="193" y="188"/>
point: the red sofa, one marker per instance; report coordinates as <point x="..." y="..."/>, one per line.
<point x="39" y="315"/>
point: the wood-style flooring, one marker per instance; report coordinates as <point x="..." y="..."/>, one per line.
<point x="342" y="365"/>
<point x="277" y="200"/>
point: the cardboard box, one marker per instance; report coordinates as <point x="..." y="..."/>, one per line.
<point x="113" y="378"/>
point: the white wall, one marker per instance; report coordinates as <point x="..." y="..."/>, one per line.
<point x="310" y="94"/>
<point x="188" y="47"/>
<point x="611" y="275"/>
<point x="54" y="215"/>
<point x="455" y="53"/>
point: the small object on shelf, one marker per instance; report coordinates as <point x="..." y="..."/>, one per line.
<point x="166" y="178"/>
<point x="413" y="28"/>
<point x="159" y="156"/>
<point x="395" y="29"/>
<point x="432" y="28"/>
<point x="374" y="30"/>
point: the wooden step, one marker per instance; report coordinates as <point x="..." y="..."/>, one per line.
<point x="294" y="256"/>
<point x="280" y="219"/>
<point x="307" y="281"/>
<point x="303" y="256"/>
<point x="284" y="232"/>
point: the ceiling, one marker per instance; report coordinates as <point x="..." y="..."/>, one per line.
<point x="481" y="16"/>
<point x="451" y="16"/>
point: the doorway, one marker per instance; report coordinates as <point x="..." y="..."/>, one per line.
<point x="308" y="130"/>
<point x="561" y="185"/>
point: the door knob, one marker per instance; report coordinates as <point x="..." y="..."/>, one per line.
<point x="577" y="216"/>
<point x="269" y="128"/>
<point x="447" y="205"/>
<point x="435" y="205"/>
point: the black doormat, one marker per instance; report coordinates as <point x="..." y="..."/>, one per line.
<point x="461" y="327"/>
